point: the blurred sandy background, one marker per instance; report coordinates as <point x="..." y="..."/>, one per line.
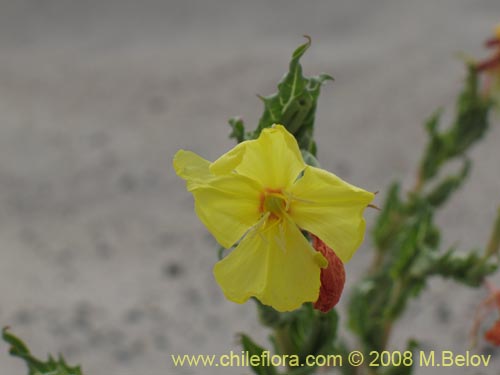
<point x="101" y="255"/>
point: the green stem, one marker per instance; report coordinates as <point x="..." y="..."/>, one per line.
<point x="419" y="183"/>
<point x="389" y="322"/>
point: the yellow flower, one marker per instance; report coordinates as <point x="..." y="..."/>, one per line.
<point x="260" y="195"/>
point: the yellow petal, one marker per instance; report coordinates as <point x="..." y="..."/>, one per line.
<point x="228" y="206"/>
<point x="331" y="209"/>
<point x="192" y="168"/>
<point x="275" y="264"/>
<point x="273" y="159"/>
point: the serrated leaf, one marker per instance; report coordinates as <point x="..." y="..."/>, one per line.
<point x="294" y="105"/>
<point x="471" y="122"/>
<point x="469" y="269"/>
<point x="469" y="126"/>
<point x="37" y="366"/>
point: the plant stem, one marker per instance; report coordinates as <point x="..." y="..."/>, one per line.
<point x="388" y="324"/>
<point x="419" y="183"/>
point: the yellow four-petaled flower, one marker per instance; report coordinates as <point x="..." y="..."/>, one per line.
<point x="260" y="195"/>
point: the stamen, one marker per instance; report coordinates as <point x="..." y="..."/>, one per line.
<point x="280" y="239"/>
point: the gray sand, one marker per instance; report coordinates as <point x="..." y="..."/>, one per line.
<point x="102" y="256"/>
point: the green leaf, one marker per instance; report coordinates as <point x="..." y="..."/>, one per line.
<point x="470" y="269"/>
<point x="238" y="127"/>
<point x="36" y="366"/>
<point x="435" y="153"/>
<point x="471" y="122"/>
<point x="294" y="105"/>
<point x="253" y="349"/>
<point x="412" y="242"/>
<point x="469" y="126"/>
<point x="389" y="220"/>
<point x="440" y="194"/>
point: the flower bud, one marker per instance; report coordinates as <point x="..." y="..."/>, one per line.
<point x="332" y="277"/>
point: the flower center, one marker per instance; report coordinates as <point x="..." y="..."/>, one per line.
<point x="274" y="202"/>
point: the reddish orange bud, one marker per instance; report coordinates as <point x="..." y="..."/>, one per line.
<point x="493" y="334"/>
<point x="332" y="277"/>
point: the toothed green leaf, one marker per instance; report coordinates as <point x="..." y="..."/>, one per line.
<point x="470" y="124"/>
<point x="294" y="105"/>
<point x="37" y="366"/>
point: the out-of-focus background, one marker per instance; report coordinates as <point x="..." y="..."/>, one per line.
<point x="101" y="255"/>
